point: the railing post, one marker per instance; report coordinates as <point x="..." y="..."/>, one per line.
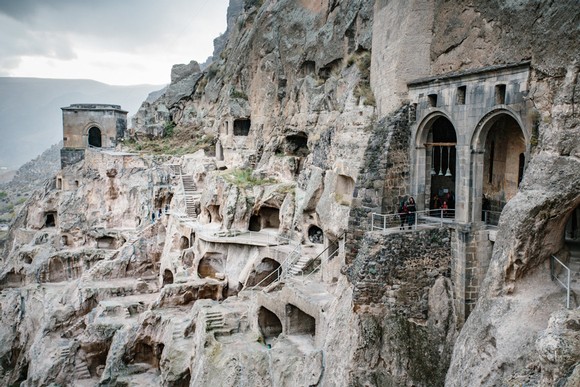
<point x="372" y="221"/>
<point x="568" y="292"/>
<point x="441" y="217"/>
<point x="384" y="222"/>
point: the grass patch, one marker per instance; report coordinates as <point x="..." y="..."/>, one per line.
<point x="244" y="178"/>
<point x="178" y="143"/>
<point x="237" y="94"/>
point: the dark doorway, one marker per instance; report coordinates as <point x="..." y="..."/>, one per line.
<point x="315" y="234"/>
<point x="95" y="137"/>
<point x="504" y="162"/>
<point x="50" y="220"/>
<point x="270" y="325"/>
<point x="299" y="322"/>
<point x="264" y="272"/>
<point x="255" y="223"/>
<point x="242" y="127"/>
<point x="442" y="160"/>
<point x="167" y="277"/>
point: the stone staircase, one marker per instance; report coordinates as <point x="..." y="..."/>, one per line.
<point x="175" y="169"/>
<point x="82" y="370"/>
<point x="64" y="353"/>
<point x="214" y="320"/>
<point x="191" y="194"/>
<point x="179" y="329"/>
<point x="297" y="267"/>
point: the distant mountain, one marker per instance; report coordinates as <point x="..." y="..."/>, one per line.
<point x="30" y="115"/>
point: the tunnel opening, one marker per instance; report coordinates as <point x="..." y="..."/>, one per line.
<point x="211" y="264"/>
<point x="266" y="271"/>
<point x="167" y="277"/>
<point x="242" y="126"/>
<point x="299" y="322"/>
<point x="270" y="325"/>
<point x="315" y="234"/>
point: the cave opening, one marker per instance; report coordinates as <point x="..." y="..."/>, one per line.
<point x="267" y="270"/>
<point x="270" y="325"/>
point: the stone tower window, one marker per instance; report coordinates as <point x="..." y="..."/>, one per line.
<point x="500" y="94"/>
<point x="432" y="100"/>
<point x="95" y="137"/>
<point x="461" y="95"/>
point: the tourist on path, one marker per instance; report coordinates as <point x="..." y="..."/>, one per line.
<point x="412" y="208"/>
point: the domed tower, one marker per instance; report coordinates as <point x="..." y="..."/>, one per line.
<point x="90" y="126"/>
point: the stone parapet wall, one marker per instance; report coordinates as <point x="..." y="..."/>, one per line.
<point x="399" y="269"/>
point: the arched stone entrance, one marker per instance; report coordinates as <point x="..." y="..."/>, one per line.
<point x="436" y="164"/>
<point x="266" y="271"/>
<point x="95" y="137"/>
<point x="499" y="159"/>
<point x="270" y="325"/>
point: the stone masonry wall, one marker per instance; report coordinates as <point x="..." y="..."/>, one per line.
<point x="395" y="269"/>
<point x="403" y="296"/>
<point x="383" y="176"/>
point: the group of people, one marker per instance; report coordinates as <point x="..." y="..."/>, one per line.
<point x="407" y="210"/>
<point x="443" y="202"/>
<point x="159" y="213"/>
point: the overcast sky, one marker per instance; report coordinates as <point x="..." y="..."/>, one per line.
<point x="119" y="42"/>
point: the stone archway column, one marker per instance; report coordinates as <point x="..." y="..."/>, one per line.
<point x="419" y="182"/>
<point x="477" y="167"/>
<point x="462" y="182"/>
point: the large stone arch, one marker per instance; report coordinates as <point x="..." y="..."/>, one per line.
<point x="513" y="156"/>
<point x="425" y="153"/>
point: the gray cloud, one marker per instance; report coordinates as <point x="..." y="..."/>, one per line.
<point x="47" y="28"/>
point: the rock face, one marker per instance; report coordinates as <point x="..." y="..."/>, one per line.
<point x="264" y="260"/>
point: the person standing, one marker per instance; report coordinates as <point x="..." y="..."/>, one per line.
<point x="411" y="208"/>
<point x="403" y="211"/>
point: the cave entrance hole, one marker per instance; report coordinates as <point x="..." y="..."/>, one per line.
<point x="183" y="243"/>
<point x="167" y="277"/>
<point x="266" y="271"/>
<point x="50" y="219"/>
<point x="211" y="264"/>
<point x="299" y="322"/>
<point x="315" y="234"/>
<point x="296" y="145"/>
<point x="106" y="242"/>
<point x="242" y="126"/>
<point x="270" y="325"/>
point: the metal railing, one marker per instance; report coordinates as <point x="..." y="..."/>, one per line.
<point x="321" y="262"/>
<point x="412" y="220"/>
<point x="553" y="261"/>
<point x="282" y="270"/>
<point x="491" y="218"/>
<point x="337" y="244"/>
<point x="247" y="237"/>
